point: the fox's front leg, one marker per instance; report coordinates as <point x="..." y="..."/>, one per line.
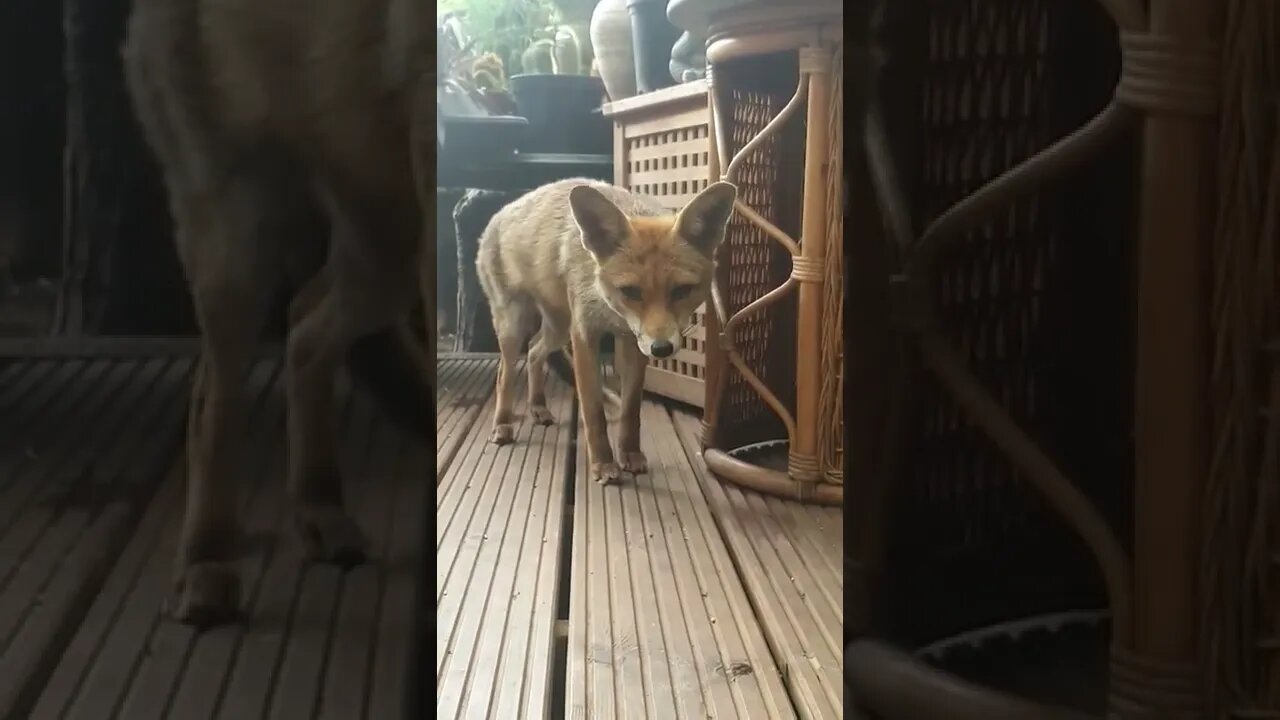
<point x="631" y="364"/>
<point x="586" y="375"/>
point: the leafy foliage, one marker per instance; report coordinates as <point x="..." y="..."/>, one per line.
<point x="504" y="28"/>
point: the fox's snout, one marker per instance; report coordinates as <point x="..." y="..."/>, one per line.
<point x="661" y="349"/>
<point x="659" y="340"/>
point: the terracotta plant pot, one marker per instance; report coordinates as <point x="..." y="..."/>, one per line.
<point x="611" y="39"/>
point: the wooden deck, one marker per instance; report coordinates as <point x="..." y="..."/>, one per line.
<point x="499" y="519"/>
<point x="83" y="443"/>
<point x="673" y="597"/>
<point x="90" y="499"/>
<point x="790" y="558"/>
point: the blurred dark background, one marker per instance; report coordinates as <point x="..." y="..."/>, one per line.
<point x="83" y="220"/>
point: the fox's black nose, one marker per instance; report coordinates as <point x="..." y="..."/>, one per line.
<point x="661" y="349"/>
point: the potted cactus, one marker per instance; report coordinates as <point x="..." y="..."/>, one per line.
<point x="538" y="45"/>
<point x="575" y="16"/>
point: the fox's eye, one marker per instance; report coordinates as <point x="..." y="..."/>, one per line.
<point x="631" y="292"/>
<point x="680" y="292"/>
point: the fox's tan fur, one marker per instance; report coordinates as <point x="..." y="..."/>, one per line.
<point x="566" y="254"/>
<point x="259" y="111"/>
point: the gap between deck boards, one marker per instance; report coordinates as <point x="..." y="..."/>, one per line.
<point x="741" y="677"/>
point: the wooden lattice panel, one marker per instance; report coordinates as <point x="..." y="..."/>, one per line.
<point x="662" y="148"/>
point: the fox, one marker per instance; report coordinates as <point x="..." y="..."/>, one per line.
<point x="294" y="141"/>
<point x="578" y="259"/>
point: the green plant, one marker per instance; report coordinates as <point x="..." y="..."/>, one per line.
<point x="516" y="31"/>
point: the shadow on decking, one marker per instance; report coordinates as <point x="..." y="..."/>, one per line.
<point x="90" y="501"/>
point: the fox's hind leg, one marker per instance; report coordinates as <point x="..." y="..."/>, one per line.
<point x="553" y="336"/>
<point x="511" y="322"/>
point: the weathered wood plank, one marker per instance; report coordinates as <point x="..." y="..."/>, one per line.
<point x="499" y="515"/>
<point x="465" y="382"/>
<point x="128" y="660"/>
<point x="788" y="558"/>
<point x="85" y="445"/>
<point x="660" y="626"/>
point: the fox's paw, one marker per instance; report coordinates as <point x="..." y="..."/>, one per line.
<point x="634" y="462"/>
<point x="541" y="415"/>
<point x="503" y="434"/>
<point x="607" y="473"/>
<point x="208" y="594"/>
<point x="329" y="535"/>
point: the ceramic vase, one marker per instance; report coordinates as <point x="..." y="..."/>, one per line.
<point x="611" y="41"/>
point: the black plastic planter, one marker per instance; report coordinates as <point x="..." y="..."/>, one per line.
<point x="564" y="114"/>
<point x="652" y="37"/>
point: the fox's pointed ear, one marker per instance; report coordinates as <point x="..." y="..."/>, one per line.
<point x="603" y="225"/>
<point x="703" y="221"/>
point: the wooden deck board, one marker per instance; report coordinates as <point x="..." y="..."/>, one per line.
<point x="83" y="444"/>
<point x="126" y="660"/>
<point x="664" y="618"/>
<point x="465" y="382"/>
<point x="659" y="625"/>
<point x="789" y="558"/>
<point x="499" y="514"/>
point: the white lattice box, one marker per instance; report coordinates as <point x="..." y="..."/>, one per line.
<point x="662" y="148"/>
